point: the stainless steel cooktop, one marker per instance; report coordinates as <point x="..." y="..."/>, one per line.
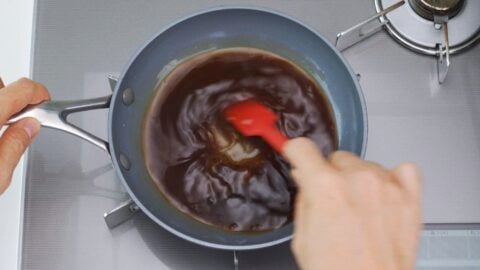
<point x="70" y="183"/>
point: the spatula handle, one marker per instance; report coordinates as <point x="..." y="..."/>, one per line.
<point x="275" y="138"/>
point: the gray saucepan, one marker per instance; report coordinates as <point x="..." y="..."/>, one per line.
<point x="213" y="29"/>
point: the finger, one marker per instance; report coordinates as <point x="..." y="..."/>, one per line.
<point x="1" y="83"/>
<point x="302" y="224"/>
<point x="409" y="217"/>
<point x="348" y="162"/>
<point x="16" y="96"/>
<point x="300" y="212"/>
<point x="344" y="161"/>
<point x="408" y="176"/>
<point x="304" y="156"/>
<point x="12" y="145"/>
<point x="302" y="180"/>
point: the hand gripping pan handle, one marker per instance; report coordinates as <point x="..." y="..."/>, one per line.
<point x="53" y="114"/>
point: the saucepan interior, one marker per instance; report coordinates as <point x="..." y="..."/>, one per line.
<point x="215" y="29"/>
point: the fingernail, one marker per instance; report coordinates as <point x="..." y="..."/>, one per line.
<point x="32" y="127"/>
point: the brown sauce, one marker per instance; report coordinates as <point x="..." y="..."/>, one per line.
<point x="208" y="170"/>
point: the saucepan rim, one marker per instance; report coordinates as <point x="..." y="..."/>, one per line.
<point x="117" y="92"/>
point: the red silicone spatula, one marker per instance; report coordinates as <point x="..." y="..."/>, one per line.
<point x="252" y="118"/>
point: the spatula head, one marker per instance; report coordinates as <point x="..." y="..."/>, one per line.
<point x="250" y="117"/>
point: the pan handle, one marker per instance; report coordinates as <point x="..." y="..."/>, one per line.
<point x="53" y="114"/>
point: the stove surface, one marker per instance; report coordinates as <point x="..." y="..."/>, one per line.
<point x="70" y="183"/>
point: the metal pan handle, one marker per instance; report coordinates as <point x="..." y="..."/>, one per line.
<point x="53" y="114"/>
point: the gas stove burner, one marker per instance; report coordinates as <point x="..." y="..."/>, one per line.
<point x="430" y="8"/>
<point x="433" y="27"/>
<point x="422" y="33"/>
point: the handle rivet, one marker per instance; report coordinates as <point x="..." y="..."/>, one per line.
<point x="124" y="162"/>
<point x="128" y="96"/>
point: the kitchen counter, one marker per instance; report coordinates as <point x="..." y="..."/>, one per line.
<point x="15" y="32"/>
<point x="69" y="185"/>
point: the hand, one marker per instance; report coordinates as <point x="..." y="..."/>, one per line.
<point x="353" y="214"/>
<point x="13" y="98"/>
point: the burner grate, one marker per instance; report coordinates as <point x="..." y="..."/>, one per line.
<point x="432" y="27"/>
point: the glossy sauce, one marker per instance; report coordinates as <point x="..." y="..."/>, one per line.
<point x="208" y="170"/>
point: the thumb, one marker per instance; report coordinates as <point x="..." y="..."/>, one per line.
<point x="304" y="156"/>
<point x="12" y="145"/>
<point x="409" y="177"/>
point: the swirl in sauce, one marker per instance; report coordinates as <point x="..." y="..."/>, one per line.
<point x="208" y="170"/>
